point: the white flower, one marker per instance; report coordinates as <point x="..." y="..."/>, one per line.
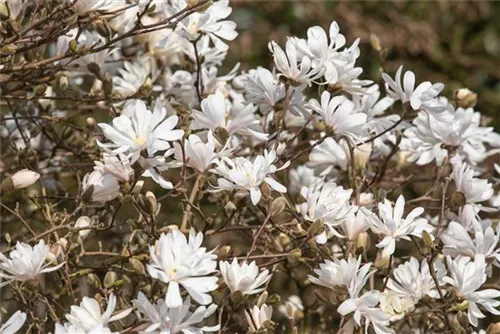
<point x="132" y="77"/>
<point x="84" y="7"/>
<point x="198" y="154"/>
<point x="81" y="222"/>
<point x="395" y="306"/>
<point x="406" y="91"/>
<point x="426" y="141"/>
<point x="176" y="261"/>
<point x="68" y="328"/>
<point x="142" y="131"/>
<point x="258" y="316"/>
<point x="25" y="263"/>
<point x="15" y="322"/>
<point x="457" y="241"/>
<point x="353" y="225"/>
<point x="88" y="39"/>
<point x="99" y="187"/>
<point x="365" y="307"/>
<point x="210" y="22"/>
<point x="467" y="276"/>
<point x="88" y="316"/>
<point x="244" y="278"/>
<point x="415" y="281"/>
<point x="301" y="176"/>
<point x="215" y="115"/>
<point x="118" y="166"/>
<point x="474" y="190"/>
<point x="325" y="201"/>
<point x="339" y="114"/>
<point x="340" y="272"/>
<point x="247" y="176"/>
<point x="393" y="226"/>
<point x="163" y="319"/>
<point x="328" y="155"/>
<point x="263" y="88"/>
<point x="287" y="64"/>
<point x="24" y="178"/>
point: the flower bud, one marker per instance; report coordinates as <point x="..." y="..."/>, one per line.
<point x="83" y="221"/>
<point x="361" y="155"/>
<point x="94" y="68"/>
<point x="150" y="203"/>
<point x="494" y="328"/>
<point x="262" y="298"/>
<point x="278" y="206"/>
<point x="363" y="241"/>
<point x="375" y="42"/>
<point x="110" y="279"/>
<point x="137" y="266"/>
<point x="91" y="122"/>
<point x="138" y="187"/>
<point x="274" y="299"/>
<point x="223" y="253"/>
<point x="107" y="84"/>
<point x="458" y="199"/>
<point x="4" y="10"/>
<point x="63" y="82"/>
<point x="316" y="228"/>
<point x="73" y="45"/>
<point x="295" y="256"/>
<point x="465" y="98"/>
<point x="21" y="179"/>
<point x="266" y="190"/>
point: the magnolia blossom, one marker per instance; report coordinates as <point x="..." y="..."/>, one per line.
<point x="25" y="263"/>
<point x="177" y="261"/>
<point x="339" y="114"/>
<point x="163" y="319"/>
<point x="467" y="276"/>
<point x="327" y="156"/>
<point x="118" y="166"/>
<point x="339" y="272"/>
<point x="405" y="90"/>
<point x="88" y="317"/>
<point x="210" y="22"/>
<point x="15" y="322"/>
<point x="68" y="328"/>
<point x="258" y="317"/>
<point x="132" y="77"/>
<point x="395" y="306"/>
<point x="325" y="201"/>
<point x="302" y="176"/>
<point x="393" y="226"/>
<point x="198" y="154"/>
<point x="457" y="241"/>
<point x="81" y="222"/>
<point x="214" y="115"/>
<point x="142" y="131"/>
<point x="415" y="281"/>
<point x="99" y="187"/>
<point x="354" y="225"/>
<point x="244" y="278"/>
<point x="475" y="190"/>
<point x="247" y="176"/>
<point x="288" y="65"/>
<point x="21" y="179"/>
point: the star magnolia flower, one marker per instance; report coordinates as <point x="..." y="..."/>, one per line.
<point x="20" y="180"/>
<point x="328" y="202"/>
<point x="393" y="227"/>
<point x="339" y="272"/>
<point x="247" y="176"/>
<point x="328" y="155"/>
<point x="467" y="276"/>
<point x="428" y="139"/>
<point x="354" y="225"/>
<point x="258" y="317"/>
<point x="395" y="306"/>
<point x="287" y="65"/>
<point x="475" y="190"/>
<point x="406" y="92"/>
<point x="457" y="241"/>
<point x="88" y="317"/>
<point x="175" y="261"/>
<point x="214" y="115"/>
<point x="142" y="131"/>
<point x="164" y="319"/>
<point x="415" y="281"/>
<point x="338" y="114"/>
<point x="198" y="154"/>
<point x="244" y="278"/>
<point x="68" y="328"/>
<point x="99" y="187"/>
<point x="132" y="77"/>
<point x="210" y="22"/>
<point x="302" y="176"/>
<point x="118" y="166"/>
<point x="15" y="322"/>
<point x="25" y="263"/>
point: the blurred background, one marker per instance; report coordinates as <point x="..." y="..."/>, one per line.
<point x="453" y="42"/>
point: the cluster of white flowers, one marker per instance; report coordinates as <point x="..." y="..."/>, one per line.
<point x="304" y="175"/>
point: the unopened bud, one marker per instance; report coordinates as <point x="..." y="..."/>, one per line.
<point x="266" y="190"/>
<point x="8" y="238"/>
<point x="107" y="84"/>
<point x="458" y="199"/>
<point x="295" y="256"/>
<point x="278" y="206"/>
<point x="21" y="179"/>
<point x="94" y="280"/>
<point x="4" y="10"/>
<point x="63" y="82"/>
<point x="375" y="42"/>
<point x="427" y="239"/>
<point x="138" y="187"/>
<point x="91" y="123"/>
<point x="73" y="46"/>
<point x="493" y="328"/>
<point x="151" y="205"/>
<point x="137" y="266"/>
<point x="363" y="241"/>
<point x="223" y="253"/>
<point x="82" y="222"/>
<point x="262" y="298"/>
<point x="94" y="68"/>
<point x="316" y="228"/>
<point x="274" y="299"/>
<point x="110" y="279"/>
<point x="465" y="98"/>
<point x="40" y="90"/>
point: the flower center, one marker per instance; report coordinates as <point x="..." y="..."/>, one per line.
<point x="140" y="141"/>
